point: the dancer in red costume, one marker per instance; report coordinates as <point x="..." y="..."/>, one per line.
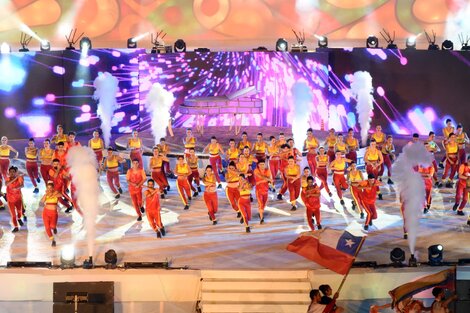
<point x="427" y="174"/>
<point x="292" y="173"/>
<point x="60" y="178"/>
<point x="374" y="160"/>
<point x="60" y="136"/>
<point x="244" y="203"/>
<point x="97" y="144"/>
<point x="244" y="143"/>
<point x="156" y="168"/>
<point x="136" y="179"/>
<point x="215" y="150"/>
<point x="446" y="131"/>
<point x="165" y="150"/>
<point x="433" y="147"/>
<point x="5" y="150"/>
<point x="283" y="162"/>
<point x="274" y="159"/>
<point x="61" y="154"/>
<point x="311" y="146"/>
<point x="281" y="139"/>
<point x="210" y="193"/>
<point x="71" y="142"/>
<point x="353" y="145"/>
<point x="312" y="203"/>
<point x="452" y="160"/>
<point x="189" y="141"/>
<point x="193" y="162"/>
<point x="50" y="214"/>
<point x="355" y="177"/>
<point x="340" y="145"/>
<point x="259" y="147"/>
<point x="14" y="183"/>
<point x="153" y="210"/>
<point x="330" y="142"/>
<point x="388" y="154"/>
<point x="112" y="172"/>
<point x="369" y="190"/>
<point x="232" y="177"/>
<point x="378" y="136"/>
<point x="31" y="153"/>
<point x="263" y="181"/>
<point x="303" y="182"/>
<point x="134" y="144"/>
<point x="462" y="140"/>
<point x="338" y="166"/>
<point x="294" y="151"/>
<point x="182" y="171"/>
<point x="461" y="193"/>
<point x="251" y="160"/>
<point x="322" y="169"/>
<point x="232" y="152"/>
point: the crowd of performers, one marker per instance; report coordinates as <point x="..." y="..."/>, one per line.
<point x="248" y="168"/>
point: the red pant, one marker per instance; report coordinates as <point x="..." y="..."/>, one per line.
<point x="373" y="170"/>
<point x="45" y="173"/>
<point x="184" y="190"/>
<point x="452" y="167"/>
<point x="216" y="163"/>
<point x="282" y="167"/>
<point x="99" y="155"/>
<point x="154" y="218"/>
<point x="212" y="203"/>
<point x="16" y="210"/>
<point x="434" y="164"/>
<point x="313" y="210"/>
<point x="194" y="175"/>
<point x="33" y="172"/>
<point x="160" y="179"/>
<point x="462" y="156"/>
<point x="113" y="180"/>
<point x="461" y="194"/>
<point x="388" y="164"/>
<point x="428" y="189"/>
<point x="137" y="155"/>
<point x="244" y="204"/>
<point x="352" y="155"/>
<point x="137" y="201"/>
<point x="331" y="154"/>
<point x="312" y="161"/>
<point x="356" y="195"/>
<point x="294" y="189"/>
<point x="322" y="174"/>
<point x="371" y="211"/>
<point x="262" y="197"/>
<point x="340" y="182"/>
<point x="233" y="194"/>
<point x="166" y="166"/>
<point x="4" y="165"/>
<point x="274" y="167"/>
<point x="49" y="218"/>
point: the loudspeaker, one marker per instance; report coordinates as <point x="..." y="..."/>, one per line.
<point x="94" y="297"/>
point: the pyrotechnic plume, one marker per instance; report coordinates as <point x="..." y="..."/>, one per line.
<point x="158" y="103"/>
<point x="361" y="89"/>
<point x="410" y="186"/>
<point x="303" y="107"/>
<point x="106" y="88"/>
<point x="83" y="168"/>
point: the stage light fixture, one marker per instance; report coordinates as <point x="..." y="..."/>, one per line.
<point x="465" y="47"/>
<point x="372" y="42"/>
<point x="5" y="48"/>
<point x="24" y="42"/>
<point x="322" y="41"/>
<point x="392" y="46"/>
<point x="85" y="43"/>
<point x="88" y="263"/>
<point x="110" y="258"/>
<point x="411" y="42"/>
<point x="202" y="50"/>
<point x="45" y="45"/>
<point x="180" y="46"/>
<point x="282" y="45"/>
<point x="260" y="49"/>
<point x="67" y="257"/>
<point x="397" y="256"/>
<point x="447" y="45"/>
<point x="435" y="254"/>
<point x="431" y="41"/>
<point x="464" y="42"/>
<point x="131" y="43"/>
<point x="412" y="262"/>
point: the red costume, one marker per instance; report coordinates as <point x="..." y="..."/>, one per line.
<point x="461" y="194"/>
<point x="210" y="195"/>
<point x="312" y="204"/>
<point x="136" y="179"/>
<point x="15" y="199"/>
<point x="152" y="206"/>
<point x="182" y="184"/>
<point x="232" y="192"/>
<point x="60" y="183"/>
<point x="262" y="187"/>
<point x="368" y="197"/>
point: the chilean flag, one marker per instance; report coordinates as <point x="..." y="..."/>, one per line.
<point x="330" y="248"/>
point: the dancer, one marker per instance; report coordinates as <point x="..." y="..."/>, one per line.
<point x="50" y="215"/>
<point x="281" y="139"/>
<point x="274" y="159"/>
<point x="355" y="177"/>
<point x="353" y="145"/>
<point x="374" y="160"/>
<point x="61" y="154"/>
<point x="182" y="172"/>
<point x="60" y="178"/>
<point x="60" y="136"/>
<point x="263" y="180"/>
<point x="260" y="147"/>
<point x="193" y="162"/>
<point x="292" y="173"/>
<point x="461" y="193"/>
<point x="14" y="183"/>
<point x="294" y="151"/>
<point x="210" y="193"/>
<point x="189" y="141"/>
<point x="338" y="167"/>
<point x="112" y="172"/>
<point x="340" y="145"/>
<point x="378" y="136"/>
<point x="153" y="209"/>
<point x="369" y="190"/>
<point x="446" y="131"/>
<point x="244" y="202"/>
<point x="5" y="150"/>
<point x="322" y="169"/>
<point x="461" y="139"/>
<point x="427" y="174"/>
<point x="156" y="168"/>
<point x="164" y="150"/>
<point x="452" y="160"/>
<point x="134" y="144"/>
<point x="215" y="150"/>
<point x="232" y="152"/>
<point x="97" y="144"/>
<point x="283" y="162"/>
<point x="232" y="177"/>
<point x="312" y="203"/>
<point x="31" y="153"/>
<point x="71" y="142"/>
<point x="251" y="161"/>
<point x="433" y="148"/>
<point x="414" y="138"/>
<point x="303" y="182"/>
<point x="311" y="146"/>
<point x="330" y="142"/>
<point x="46" y="155"/>
<point x="244" y="143"/>
<point x="388" y="154"/>
<point x="136" y="179"/>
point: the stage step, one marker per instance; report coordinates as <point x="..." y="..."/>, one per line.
<point x="255" y="291"/>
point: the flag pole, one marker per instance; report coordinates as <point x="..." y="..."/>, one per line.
<point x="349" y="269"/>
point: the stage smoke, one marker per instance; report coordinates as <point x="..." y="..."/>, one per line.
<point x="410" y="187"/>
<point x="83" y="168"/>
<point x="457" y="21"/>
<point x="303" y="107"/>
<point x="361" y="89"/>
<point x="158" y="103"/>
<point x="106" y="88"/>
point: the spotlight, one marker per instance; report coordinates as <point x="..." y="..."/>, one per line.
<point x="67" y="257"/>
<point x="397" y="256"/>
<point x="88" y="263"/>
<point x="110" y="258"/>
<point x="388" y="38"/>
<point x="431" y="41"/>
<point x="322" y="41"/>
<point x="282" y="45"/>
<point x="131" y="43"/>
<point x="411" y="42"/>
<point x="85" y="43"/>
<point x="412" y="262"/>
<point x="465" y="47"/>
<point x="72" y="39"/>
<point x="447" y="45"/>
<point x="5" y="48"/>
<point x="180" y="46"/>
<point x="464" y="42"/>
<point x="45" y="45"/>
<point x="372" y="42"/>
<point x="24" y="42"/>
<point x="435" y="254"/>
<point x="392" y="46"/>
